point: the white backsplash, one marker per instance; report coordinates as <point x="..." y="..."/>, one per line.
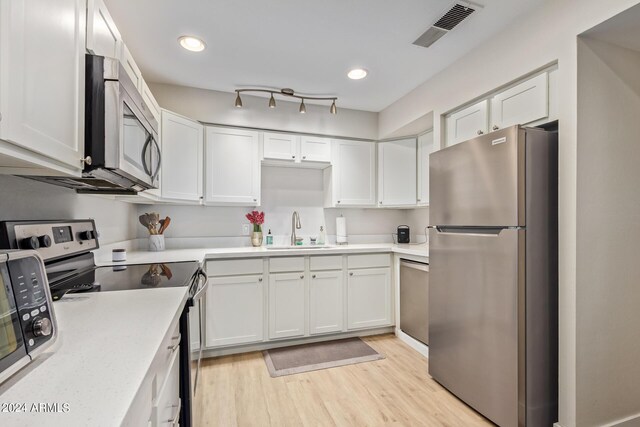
<point x="285" y="190"/>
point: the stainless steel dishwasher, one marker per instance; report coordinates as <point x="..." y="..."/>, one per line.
<point x="414" y="299"/>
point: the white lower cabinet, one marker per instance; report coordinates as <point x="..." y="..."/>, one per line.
<point x="326" y="310"/>
<point x="286" y="305"/>
<point x="166" y="410"/>
<point x="368" y="298"/>
<point x="234" y="310"/>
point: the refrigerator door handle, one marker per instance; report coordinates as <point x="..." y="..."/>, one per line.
<point x="484" y="231"/>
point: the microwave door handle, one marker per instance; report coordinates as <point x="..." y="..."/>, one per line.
<point x="155" y="174"/>
<point x="144" y="156"/>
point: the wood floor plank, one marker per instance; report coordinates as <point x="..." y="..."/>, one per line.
<point x="396" y="391"/>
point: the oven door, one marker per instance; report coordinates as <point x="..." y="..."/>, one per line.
<point x="13" y="352"/>
<point x="128" y="128"/>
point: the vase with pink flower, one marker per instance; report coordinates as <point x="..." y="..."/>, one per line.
<point x="257" y="219"/>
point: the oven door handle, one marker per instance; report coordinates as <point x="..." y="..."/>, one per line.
<point x="202" y="286"/>
<point x="144" y="156"/>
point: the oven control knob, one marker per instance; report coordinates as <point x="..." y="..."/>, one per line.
<point x="87" y="235"/>
<point x="30" y="243"/>
<point x="42" y="327"/>
<point x="44" y="241"/>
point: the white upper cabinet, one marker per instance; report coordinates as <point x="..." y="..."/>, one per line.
<point x="425" y="147"/>
<point x="315" y="149"/>
<point x="131" y="67"/>
<point x="468" y="123"/>
<point x="280" y="146"/>
<point x="103" y="37"/>
<point x="397" y="173"/>
<point x="524" y="103"/>
<point x="150" y="100"/>
<point x="42" y="48"/>
<point x="352" y="179"/>
<point x="232" y="167"/>
<point x="182" y="162"/>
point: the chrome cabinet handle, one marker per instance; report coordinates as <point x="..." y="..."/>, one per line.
<point x="338" y="201"/>
<point x="302" y="276"/>
<point x="255" y="200"/>
<point x="260" y="279"/>
<point x="313" y="277"/>
<point x="293" y="157"/>
<point x="86" y="161"/>
<point x="495" y="127"/>
<point x="480" y="132"/>
<point x="304" y="157"/>
<point x="177" y="344"/>
<point x="351" y="274"/>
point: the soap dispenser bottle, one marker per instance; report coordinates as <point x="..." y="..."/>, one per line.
<point x="322" y="237"/>
<point x="269" y="238"/>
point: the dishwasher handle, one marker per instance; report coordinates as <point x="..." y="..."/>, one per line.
<point x="415" y="265"/>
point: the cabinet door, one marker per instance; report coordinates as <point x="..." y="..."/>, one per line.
<point x="150" y="100"/>
<point x="42" y="50"/>
<point x="166" y="410"/>
<point x="521" y="104"/>
<point x="234" y="310"/>
<point x="354" y="173"/>
<point x="182" y="151"/>
<point x="369" y="298"/>
<point x="397" y="173"/>
<point x="280" y="146"/>
<point x="232" y="167"/>
<point x="467" y="123"/>
<point x="315" y="149"/>
<point x="103" y="37"/>
<point x="286" y="305"/>
<point x="325" y="302"/>
<point x="131" y="67"/>
<point x="425" y="147"/>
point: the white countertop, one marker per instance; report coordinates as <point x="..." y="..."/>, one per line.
<point x="106" y="344"/>
<point x="103" y="257"/>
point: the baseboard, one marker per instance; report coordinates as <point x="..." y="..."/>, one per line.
<point x="632" y="421"/>
<point x="224" y="351"/>
<point x="421" y="348"/>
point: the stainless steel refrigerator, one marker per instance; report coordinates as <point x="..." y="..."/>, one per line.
<point x="493" y="298"/>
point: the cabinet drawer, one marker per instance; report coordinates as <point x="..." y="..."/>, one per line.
<point x="368" y="261"/>
<point x="327" y="262"/>
<point x="167" y="408"/>
<point x="234" y="267"/>
<point x="277" y="265"/>
<point x="168" y="349"/>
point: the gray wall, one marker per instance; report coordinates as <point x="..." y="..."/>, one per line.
<point x="22" y="198"/>
<point x="608" y="234"/>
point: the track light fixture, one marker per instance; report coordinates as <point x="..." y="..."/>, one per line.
<point x="290" y="93"/>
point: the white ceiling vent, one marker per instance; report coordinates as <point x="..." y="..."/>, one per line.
<point x="447" y="22"/>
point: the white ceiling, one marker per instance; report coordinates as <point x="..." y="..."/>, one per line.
<point x="306" y="45"/>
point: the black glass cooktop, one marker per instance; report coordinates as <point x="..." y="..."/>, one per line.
<point x="126" y="277"/>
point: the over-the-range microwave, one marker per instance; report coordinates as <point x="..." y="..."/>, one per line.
<point x="121" y="134"/>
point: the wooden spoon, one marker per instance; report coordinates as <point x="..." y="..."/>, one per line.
<point x="164" y="224"/>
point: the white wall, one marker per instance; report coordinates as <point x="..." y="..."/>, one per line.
<point x="22" y="198"/>
<point x="283" y="191"/>
<point x="541" y="37"/>
<point x="608" y="295"/>
<point x="218" y="107"/>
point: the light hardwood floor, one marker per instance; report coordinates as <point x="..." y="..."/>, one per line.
<point x="238" y="391"/>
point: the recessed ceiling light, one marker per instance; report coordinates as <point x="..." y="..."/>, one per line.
<point x="191" y="43"/>
<point x="357" y="74"/>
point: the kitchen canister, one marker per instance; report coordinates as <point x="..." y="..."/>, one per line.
<point x="156" y="242"/>
<point x="119" y="255"/>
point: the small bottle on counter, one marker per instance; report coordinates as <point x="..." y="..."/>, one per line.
<point x="119" y="255"/>
<point x="322" y="237"/>
<point x="269" y="238"/>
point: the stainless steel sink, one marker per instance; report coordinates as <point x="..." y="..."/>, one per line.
<point x="298" y="247"/>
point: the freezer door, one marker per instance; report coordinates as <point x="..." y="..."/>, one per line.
<point x="479" y="182"/>
<point x="475" y="284"/>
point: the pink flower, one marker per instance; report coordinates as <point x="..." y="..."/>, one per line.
<point x="255" y="217"/>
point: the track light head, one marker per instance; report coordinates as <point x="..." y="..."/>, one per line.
<point x="333" y="109"/>
<point x="303" y="108"/>
<point x="272" y="101"/>
<point x="238" y="100"/>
